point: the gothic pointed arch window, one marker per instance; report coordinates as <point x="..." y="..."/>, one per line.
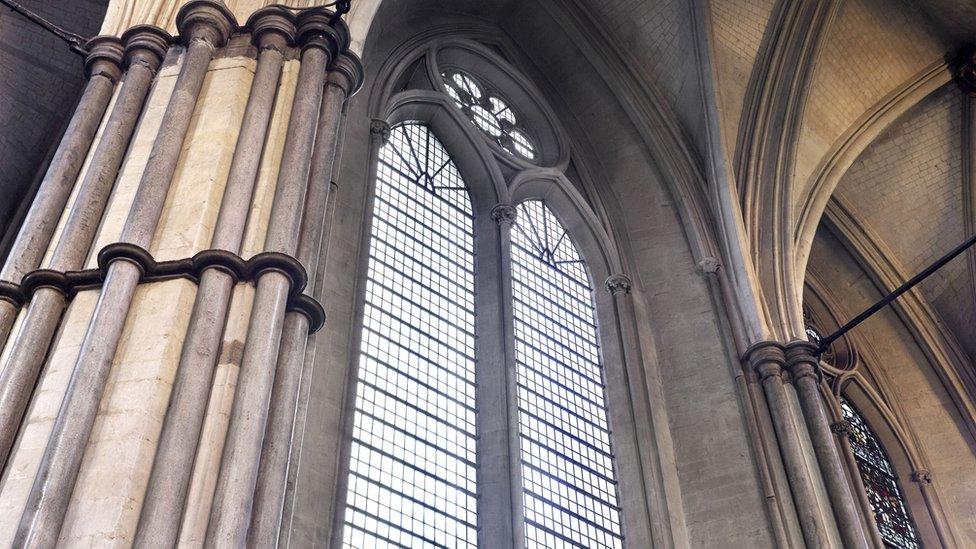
<point x="479" y="405"/>
<point x="567" y="468"/>
<point x="412" y="457"/>
<point x="880" y="481"/>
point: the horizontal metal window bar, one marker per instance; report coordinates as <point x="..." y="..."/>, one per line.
<point x="423" y="384"/>
<point x="573" y="487"/>
<point x="566" y="539"/>
<point x="538" y="274"/>
<point x="431" y="289"/>
<point x="535" y="256"/>
<point x="412" y="328"/>
<point x="557" y="303"/>
<point x="529" y="329"/>
<point x="573" y="413"/>
<point x="420" y="243"/>
<point x="412" y="499"/>
<point x="569" y="459"/>
<point x="422" y="471"/>
<point x="566" y="433"/>
<point x="392" y="186"/>
<point x="563" y="324"/>
<point x="415" y="179"/>
<point x="573" y="514"/>
<point x="402" y="215"/>
<point x="596" y="403"/>
<point x="457" y="375"/>
<point x="419" y="410"/>
<point x="389" y="249"/>
<point x="427" y="443"/>
<point x="423" y="308"/>
<point x="374" y="534"/>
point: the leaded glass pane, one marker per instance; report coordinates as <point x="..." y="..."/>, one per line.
<point x="880" y="483"/>
<point x="412" y="465"/>
<point x="489" y="112"/>
<point x="569" y="485"/>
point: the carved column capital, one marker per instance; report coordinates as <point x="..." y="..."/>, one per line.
<point x="922" y="476"/>
<point x="767" y="358"/>
<point x="146" y="45"/>
<point x="272" y="27"/>
<point x="802" y="361"/>
<point x="315" y="31"/>
<point x="842" y="428"/>
<point x="504" y="213"/>
<point x="104" y="57"/>
<point x="618" y="284"/>
<point x="380" y="128"/>
<point x="346" y="72"/>
<point x="709" y="265"/>
<point x="207" y="20"/>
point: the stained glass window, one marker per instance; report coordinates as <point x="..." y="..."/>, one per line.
<point x="569" y="485"/>
<point x="489" y="112"/>
<point x="412" y="457"/>
<point x="880" y="483"/>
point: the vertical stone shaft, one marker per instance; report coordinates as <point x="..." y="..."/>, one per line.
<point x="233" y="498"/>
<point x="103" y="69"/>
<point x="803" y="365"/>
<point x="842" y="429"/>
<point x="768" y="359"/>
<point x="145" y="48"/>
<point x="499" y="479"/>
<point x="159" y="525"/>
<point x="269" y="493"/>
<point x="204" y="24"/>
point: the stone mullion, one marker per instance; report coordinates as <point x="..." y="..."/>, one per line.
<point x="923" y="478"/>
<point x="639" y="527"/>
<point x="272" y="31"/>
<point x="842" y="429"/>
<point x="804" y="368"/>
<point x="379" y="135"/>
<point x="102" y="67"/>
<point x="500" y="502"/>
<point x="768" y="359"/>
<point x="145" y="48"/>
<point x="204" y="26"/>
<point x="236" y="482"/>
<point x="345" y="77"/>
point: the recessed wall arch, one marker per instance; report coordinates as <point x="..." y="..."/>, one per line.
<point x="485" y="171"/>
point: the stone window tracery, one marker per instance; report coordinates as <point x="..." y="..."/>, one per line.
<point x="880" y="483"/>
<point x="489" y="112"/>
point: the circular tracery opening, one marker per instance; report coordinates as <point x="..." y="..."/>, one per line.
<point x="489" y="112"/>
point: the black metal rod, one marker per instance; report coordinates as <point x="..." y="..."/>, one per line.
<point x="825" y="342"/>
<point x="76" y="42"/>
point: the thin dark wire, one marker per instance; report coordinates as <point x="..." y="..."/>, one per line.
<point x="76" y="42"/>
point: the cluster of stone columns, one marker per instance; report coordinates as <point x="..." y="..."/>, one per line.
<point x="251" y="485"/>
<point x="777" y="365"/>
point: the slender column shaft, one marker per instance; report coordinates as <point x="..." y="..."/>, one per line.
<point x="40" y="524"/>
<point x="498" y="475"/>
<point x="30" y="349"/>
<point x="803" y="365"/>
<point x="159" y="524"/>
<point x="768" y="359"/>
<point x="269" y="494"/>
<point x="842" y="429"/>
<point x="923" y="478"/>
<point x="233" y="499"/>
<point x="42" y="218"/>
